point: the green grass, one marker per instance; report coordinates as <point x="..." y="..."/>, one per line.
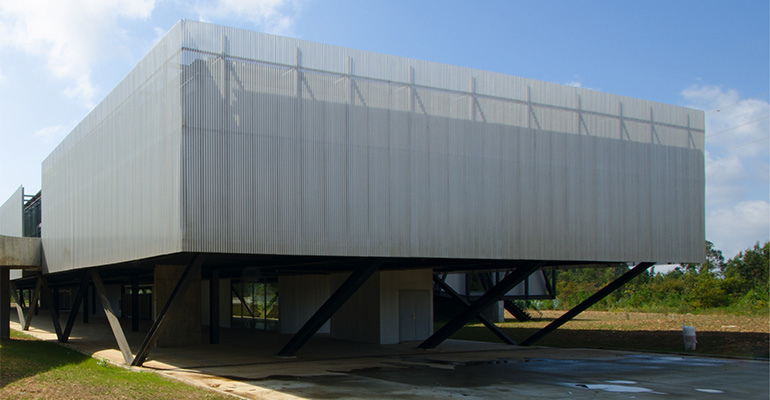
<point x="30" y="368"/>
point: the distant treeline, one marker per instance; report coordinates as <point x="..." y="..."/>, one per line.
<point x="737" y="285"/>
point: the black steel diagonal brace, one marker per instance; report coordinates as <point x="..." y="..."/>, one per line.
<point x="335" y="301"/>
<point x="48" y="300"/>
<point x="494" y="294"/>
<point x="75" y="307"/>
<point x="193" y="269"/>
<point x="112" y="318"/>
<point x="611" y="287"/>
<point x="484" y="320"/>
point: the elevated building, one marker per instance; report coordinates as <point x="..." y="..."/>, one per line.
<point x="230" y="160"/>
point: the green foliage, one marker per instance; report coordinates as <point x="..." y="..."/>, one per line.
<point x="749" y="269"/>
<point x="739" y="285"/>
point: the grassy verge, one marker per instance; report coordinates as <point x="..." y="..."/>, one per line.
<point x="718" y="334"/>
<point x="30" y="368"/>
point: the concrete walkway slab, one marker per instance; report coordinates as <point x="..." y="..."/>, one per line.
<point x="244" y="365"/>
<point x="20" y="252"/>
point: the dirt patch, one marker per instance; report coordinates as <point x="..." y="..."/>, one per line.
<point x="717" y="334"/>
<point x="636" y="321"/>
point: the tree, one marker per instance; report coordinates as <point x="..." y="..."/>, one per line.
<point x="749" y="269"/>
<point x="715" y="262"/>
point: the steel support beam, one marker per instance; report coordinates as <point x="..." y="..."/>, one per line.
<point x="85" y="307"/>
<point x="75" y="308"/>
<point x="18" y="299"/>
<point x="32" y="310"/>
<point x="214" y="307"/>
<point x="93" y="301"/>
<point x="135" y="305"/>
<point x="49" y="303"/>
<point x="492" y="295"/>
<point x="335" y="301"/>
<point x="193" y="269"/>
<point x="243" y="301"/>
<point x="611" y="287"/>
<point x="55" y="298"/>
<point x="5" y="303"/>
<point x="517" y="313"/>
<point x="484" y="320"/>
<point x="117" y="330"/>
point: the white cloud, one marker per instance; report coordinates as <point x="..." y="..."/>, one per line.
<point x="737" y="166"/>
<point x="70" y="35"/>
<point x="578" y="83"/>
<point x="273" y="16"/>
<point x="51" y="134"/>
<point x="725" y="179"/>
<point x="738" y="227"/>
<point x="730" y="119"/>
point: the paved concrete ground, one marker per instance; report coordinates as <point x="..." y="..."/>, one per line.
<point x="326" y="368"/>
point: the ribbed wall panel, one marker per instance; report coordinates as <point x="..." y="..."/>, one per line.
<point x="229" y="141"/>
<point x="12" y="220"/>
<point x="112" y="186"/>
<point x="12" y="214"/>
<point x="294" y="147"/>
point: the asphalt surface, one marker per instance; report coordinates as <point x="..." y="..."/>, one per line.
<point x="244" y="365"/>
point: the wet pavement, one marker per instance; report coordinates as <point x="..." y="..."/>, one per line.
<point x="244" y="365"/>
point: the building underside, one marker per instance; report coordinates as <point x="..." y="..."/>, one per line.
<point x="191" y="296"/>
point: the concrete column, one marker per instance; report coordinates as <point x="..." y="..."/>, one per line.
<point x="225" y="302"/>
<point x="495" y="312"/>
<point x="214" y="298"/>
<point x="5" y="303"/>
<point x="301" y="297"/>
<point x="359" y="318"/>
<point x="392" y="306"/>
<point x="183" y="324"/>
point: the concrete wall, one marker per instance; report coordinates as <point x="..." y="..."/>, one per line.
<point x="20" y="251"/>
<point x="375" y="313"/>
<point x="358" y="319"/>
<point x="392" y="285"/>
<point x="301" y="297"/>
<point x="183" y="326"/>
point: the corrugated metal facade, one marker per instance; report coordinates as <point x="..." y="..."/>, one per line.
<point x="12" y="220"/>
<point x="111" y="188"/>
<point x="11" y="214"/>
<point x="271" y="145"/>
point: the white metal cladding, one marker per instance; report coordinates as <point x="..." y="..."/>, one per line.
<point x="11" y="214"/>
<point x="112" y="186"/>
<point x="293" y="147"/>
<point x="225" y="140"/>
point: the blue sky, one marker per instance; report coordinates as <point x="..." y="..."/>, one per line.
<point x="58" y="58"/>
